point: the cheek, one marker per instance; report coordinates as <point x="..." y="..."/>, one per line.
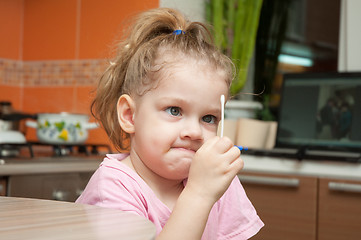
<point x="154" y="137"/>
<point x="210" y="129"/>
<point x="209" y="134"/>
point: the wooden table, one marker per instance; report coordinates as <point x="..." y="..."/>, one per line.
<point x="25" y="218"/>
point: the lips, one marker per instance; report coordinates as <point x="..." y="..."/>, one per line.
<point x="185" y="148"/>
<point x="194" y="146"/>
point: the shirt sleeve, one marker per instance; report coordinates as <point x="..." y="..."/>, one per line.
<point x="112" y="188"/>
<point x="238" y="218"/>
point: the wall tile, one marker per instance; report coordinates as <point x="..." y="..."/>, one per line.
<point x="11" y="72"/>
<point x="48" y="99"/>
<point x="12" y="94"/>
<point x="10" y="82"/>
<point x="101" y="23"/>
<point x="11" y="28"/>
<point x="83" y="98"/>
<point x="50" y="29"/>
<point x="52" y="86"/>
<point x="51" y="73"/>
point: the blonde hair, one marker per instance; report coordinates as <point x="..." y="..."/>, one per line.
<point x="132" y="71"/>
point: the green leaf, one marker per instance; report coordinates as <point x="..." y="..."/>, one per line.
<point x="78" y="125"/>
<point x="217" y="10"/>
<point x="59" y="125"/>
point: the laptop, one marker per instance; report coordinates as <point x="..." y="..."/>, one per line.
<point x="319" y="117"/>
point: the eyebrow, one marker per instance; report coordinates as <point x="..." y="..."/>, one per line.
<point x="216" y="110"/>
<point x="176" y="100"/>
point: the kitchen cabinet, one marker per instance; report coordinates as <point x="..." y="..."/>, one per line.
<point x="54" y="178"/>
<point x="2" y="186"/>
<point x="305" y="207"/>
<point x="286" y="204"/>
<point x="58" y="186"/>
<point x="339" y="209"/>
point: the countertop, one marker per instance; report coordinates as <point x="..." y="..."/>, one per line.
<point x="25" y="218"/>
<point x="315" y="168"/>
<point x="40" y="165"/>
<point x="256" y="164"/>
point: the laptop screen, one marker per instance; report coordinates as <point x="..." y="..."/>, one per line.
<point x="320" y="111"/>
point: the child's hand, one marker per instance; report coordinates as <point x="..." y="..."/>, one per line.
<point x="213" y="168"/>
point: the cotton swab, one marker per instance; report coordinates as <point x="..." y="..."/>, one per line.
<point x="222" y="122"/>
<point x="222" y="114"/>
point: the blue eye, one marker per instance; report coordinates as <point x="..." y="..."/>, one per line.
<point x="174" y="111"/>
<point x="209" y="119"/>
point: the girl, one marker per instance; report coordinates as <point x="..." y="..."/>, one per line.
<point x="160" y="100"/>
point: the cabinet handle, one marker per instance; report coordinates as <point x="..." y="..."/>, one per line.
<point x="344" y="187"/>
<point x="78" y="192"/>
<point x="270" y="181"/>
<point x="59" y="195"/>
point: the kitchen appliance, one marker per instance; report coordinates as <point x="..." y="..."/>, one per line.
<point x="39" y="149"/>
<point x="6" y="108"/>
<point x="9" y="118"/>
<point x="10" y="142"/>
<point x="64" y="184"/>
<point x="11" y="137"/>
<point x="60" y="134"/>
<point x="54" y="129"/>
<point x="62" y="128"/>
<point x="58" y="150"/>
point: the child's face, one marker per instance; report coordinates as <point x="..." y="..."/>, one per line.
<point x="173" y="120"/>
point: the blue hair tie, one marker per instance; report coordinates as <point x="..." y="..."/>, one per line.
<point x="178" y="31"/>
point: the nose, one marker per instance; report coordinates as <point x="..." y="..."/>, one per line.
<point x="192" y="129"/>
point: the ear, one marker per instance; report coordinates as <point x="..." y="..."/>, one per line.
<point x="125" y="110"/>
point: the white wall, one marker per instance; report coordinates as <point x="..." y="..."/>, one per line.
<point x="193" y="9"/>
<point x="349" y="58"/>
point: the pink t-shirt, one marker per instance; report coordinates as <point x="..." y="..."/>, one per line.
<point x="115" y="185"/>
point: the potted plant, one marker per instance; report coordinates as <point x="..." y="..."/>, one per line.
<point x="235" y="25"/>
<point x="242" y="27"/>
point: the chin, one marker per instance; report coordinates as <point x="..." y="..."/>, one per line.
<point x="178" y="176"/>
<point x="179" y="172"/>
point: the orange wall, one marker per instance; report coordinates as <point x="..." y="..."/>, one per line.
<point x="75" y="29"/>
<point x="10" y="45"/>
<point x="12" y="94"/>
<point x="49" y="29"/>
<point x="66" y="30"/>
<point x="11" y="28"/>
<point x="101" y="23"/>
<point x="63" y="29"/>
